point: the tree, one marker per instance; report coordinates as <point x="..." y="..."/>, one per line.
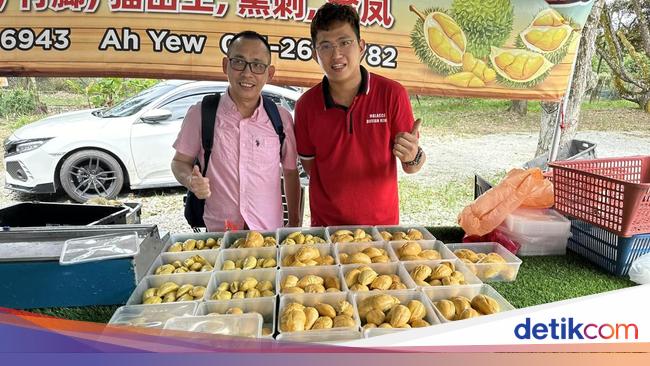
<point x="625" y="47"/>
<point x="518" y="106"/>
<point x="583" y="78"/>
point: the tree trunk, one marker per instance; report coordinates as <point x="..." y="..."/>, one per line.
<point x="581" y="77"/>
<point x="30" y="83"/>
<point x="643" y="25"/>
<point x="519" y="106"/>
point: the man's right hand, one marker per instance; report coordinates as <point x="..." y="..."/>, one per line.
<point x="198" y="184"/>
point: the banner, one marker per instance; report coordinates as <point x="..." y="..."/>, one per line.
<point x="513" y="49"/>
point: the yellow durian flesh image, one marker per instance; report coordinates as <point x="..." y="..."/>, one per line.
<point x="478" y="68"/>
<point x="518" y="68"/>
<point x="465" y="79"/>
<point x="549" y="34"/>
<point x="438" y="41"/>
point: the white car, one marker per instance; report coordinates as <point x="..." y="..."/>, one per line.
<point x="95" y="152"/>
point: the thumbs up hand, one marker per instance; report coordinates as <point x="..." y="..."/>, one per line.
<point x="406" y="143"/>
<point x="198" y="184"/>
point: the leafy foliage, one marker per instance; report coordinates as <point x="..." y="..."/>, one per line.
<point x="106" y="92"/>
<point x="17" y="102"/>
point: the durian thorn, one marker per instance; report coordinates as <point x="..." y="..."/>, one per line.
<point x="417" y="12"/>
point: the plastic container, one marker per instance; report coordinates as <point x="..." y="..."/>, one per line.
<point x="352" y="248"/>
<point x="424" y="244"/>
<point x="300" y="272"/>
<point x="537" y="222"/>
<point x="491" y="272"/>
<point x="265" y="306"/>
<point x="370" y="230"/>
<point x="232" y="236"/>
<point x="381" y="269"/>
<point x="237" y="254"/>
<point x="315" y="231"/>
<point x="330" y="298"/>
<point x="607" y="250"/>
<point x="442" y="293"/>
<point x="404" y="296"/>
<point x="426" y="235"/>
<point x="196" y="279"/>
<point x="218" y="277"/>
<point x="470" y="277"/>
<point x="167" y="258"/>
<point x="34" y="214"/>
<point x="176" y="238"/>
<point x="538" y="245"/>
<point x="613" y="194"/>
<point x="151" y="316"/>
<point x="244" y="325"/>
<point x="99" y="247"/>
<point x="323" y="249"/>
<point x="326" y="336"/>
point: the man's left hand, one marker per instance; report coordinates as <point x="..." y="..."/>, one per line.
<point x="406" y="143"/>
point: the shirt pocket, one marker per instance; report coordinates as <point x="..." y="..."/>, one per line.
<point x="266" y="152"/>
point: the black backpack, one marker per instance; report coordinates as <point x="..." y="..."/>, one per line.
<point x="193" y="206"/>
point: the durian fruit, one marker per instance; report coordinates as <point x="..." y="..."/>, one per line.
<point x="478" y="68"/>
<point x="486" y="23"/>
<point x="519" y="68"/>
<point x="438" y="41"/>
<point x="465" y="79"/>
<point x="549" y="34"/>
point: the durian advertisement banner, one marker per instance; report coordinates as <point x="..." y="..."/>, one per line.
<point x="510" y="49"/>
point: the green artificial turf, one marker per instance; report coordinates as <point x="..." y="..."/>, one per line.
<point x="540" y="280"/>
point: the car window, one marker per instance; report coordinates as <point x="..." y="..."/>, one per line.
<point x="180" y="106"/>
<point x="133" y="105"/>
<point x="280" y="100"/>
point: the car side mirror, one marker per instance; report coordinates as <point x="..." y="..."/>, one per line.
<point x="155" y="115"/>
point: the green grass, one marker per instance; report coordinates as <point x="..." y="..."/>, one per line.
<point x="64" y="99"/>
<point x="97" y="314"/>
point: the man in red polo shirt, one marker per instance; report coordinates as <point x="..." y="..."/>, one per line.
<point x="351" y="127"/>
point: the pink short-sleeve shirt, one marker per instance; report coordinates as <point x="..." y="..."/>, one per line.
<point x="245" y="166"/>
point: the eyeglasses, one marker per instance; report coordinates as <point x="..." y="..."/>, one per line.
<point x="240" y="65"/>
<point x="327" y="48"/>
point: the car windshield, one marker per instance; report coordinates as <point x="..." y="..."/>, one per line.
<point x="133" y="105"/>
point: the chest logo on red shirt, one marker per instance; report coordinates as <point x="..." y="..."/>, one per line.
<point x="376" y="118"/>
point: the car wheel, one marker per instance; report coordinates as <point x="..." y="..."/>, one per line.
<point x="91" y="173"/>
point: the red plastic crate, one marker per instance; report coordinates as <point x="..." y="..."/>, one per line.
<point x="613" y="194"/>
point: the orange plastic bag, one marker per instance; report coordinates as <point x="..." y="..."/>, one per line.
<point x="490" y="209"/>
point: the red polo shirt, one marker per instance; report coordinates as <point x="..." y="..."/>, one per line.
<point x="353" y="179"/>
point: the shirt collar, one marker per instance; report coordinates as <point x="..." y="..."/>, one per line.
<point x="364" y="89"/>
<point x="231" y="107"/>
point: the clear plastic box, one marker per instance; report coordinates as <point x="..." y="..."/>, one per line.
<point x="218" y="277"/>
<point x="381" y="269"/>
<point x="404" y="296"/>
<point x="265" y="306"/>
<point x="315" y="231"/>
<point x="330" y="298"/>
<point x="538" y="222"/>
<point x="196" y="236"/>
<point x="167" y="258"/>
<point x="370" y="230"/>
<point x="300" y="272"/>
<point x="445" y="253"/>
<point x="538" y="245"/>
<point x="441" y="293"/>
<point x="196" y="279"/>
<point x="232" y="236"/>
<point x="236" y="254"/>
<point x="244" y="325"/>
<point x="351" y="248"/>
<point x="470" y="278"/>
<point x="151" y="316"/>
<point x="426" y="235"/>
<point x="323" y="249"/>
<point x="327" y="336"/>
<point x="491" y="272"/>
<point x="99" y="247"/>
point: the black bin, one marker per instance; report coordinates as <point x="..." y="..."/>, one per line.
<point x="36" y="214"/>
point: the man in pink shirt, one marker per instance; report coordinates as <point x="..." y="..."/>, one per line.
<point x="242" y="183"/>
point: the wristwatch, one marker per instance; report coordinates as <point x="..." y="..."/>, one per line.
<point x="416" y="160"/>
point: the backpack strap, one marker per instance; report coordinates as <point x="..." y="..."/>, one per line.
<point x="209" y="106"/>
<point x="274" y="115"/>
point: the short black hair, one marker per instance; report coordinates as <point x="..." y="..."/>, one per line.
<point x="252" y="35"/>
<point x="331" y="13"/>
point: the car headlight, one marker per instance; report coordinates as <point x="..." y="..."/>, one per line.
<point x="22" y="146"/>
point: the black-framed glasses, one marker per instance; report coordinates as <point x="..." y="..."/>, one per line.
<point x="240" y="65"/>
<point x="327" y="48"/>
